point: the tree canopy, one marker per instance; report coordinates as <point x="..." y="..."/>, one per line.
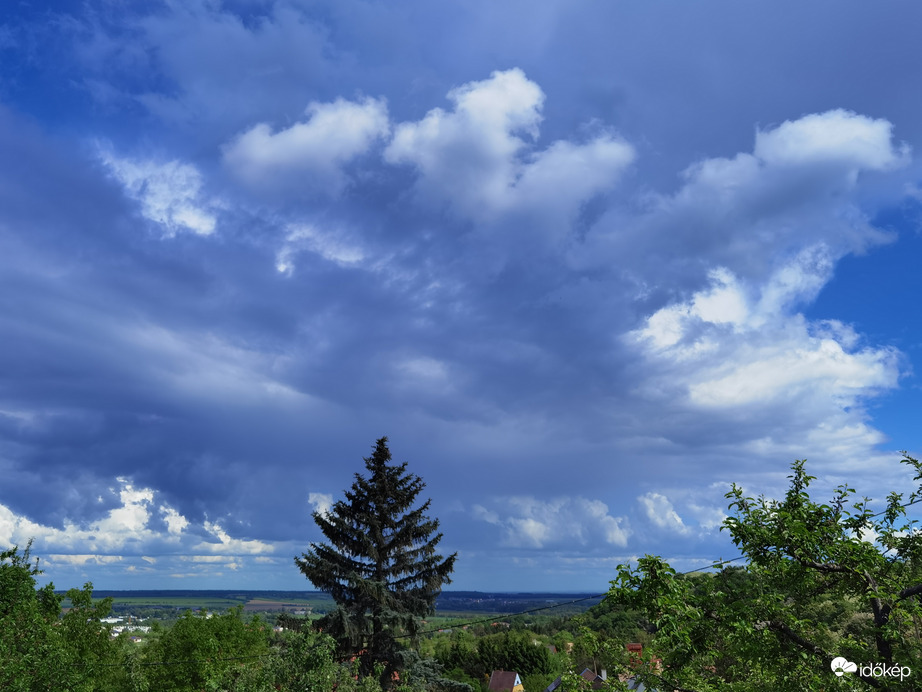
<point x="40" y="650"/>
<point x="824" y="583"/>
<point x="380" y="564"/>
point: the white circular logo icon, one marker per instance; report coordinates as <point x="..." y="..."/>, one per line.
<point x="841" y="665"/>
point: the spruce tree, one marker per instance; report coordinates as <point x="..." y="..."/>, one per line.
<point x="380" y="565"/>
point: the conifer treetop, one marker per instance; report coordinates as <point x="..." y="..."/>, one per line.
<point x="379" y="562"/>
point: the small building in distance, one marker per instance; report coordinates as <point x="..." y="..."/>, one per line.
<point x="595" y="680"/>
<point x="505" y="681"/>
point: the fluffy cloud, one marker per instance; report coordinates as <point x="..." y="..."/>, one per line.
<point x="308" y="156"/>
<point x="561" y="522"/>
<point x="125" y="528"/>
<point x="836" y="137"/>
<point x="170" y="193"/>
<point x="752" y="213"/>
<point x="737" y="347"/>
<point x="659" y="511"/>
<point x="127" y="533"/>
<point x="477" y="158"/>
<point x="468" y="155"/>
<point x="175" y="522"/>
<point x="736" y="351"/>
<point x="227" y="545"/>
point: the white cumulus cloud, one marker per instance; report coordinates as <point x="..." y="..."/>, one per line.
<point x="123" y="528"/>
<point x="309" y="155"/>
<point x="478" y="157"/>
<point x="753" y="212"/>
<point x="227" y="545"/>
<point x="528" y="522"/>
<point x="742" y="347"/>
<point x="660" y="512"/>
<point x="836" y="136"/>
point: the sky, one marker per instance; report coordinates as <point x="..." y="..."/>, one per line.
<point x="585" y="264"/>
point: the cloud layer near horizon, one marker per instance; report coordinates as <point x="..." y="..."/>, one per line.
<point x="222" y="291"/>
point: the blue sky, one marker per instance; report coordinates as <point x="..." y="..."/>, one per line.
<point x="585" y="264"/>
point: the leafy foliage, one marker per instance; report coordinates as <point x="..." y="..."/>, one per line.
<point x="201" y="650"/>
<point x="468" y="658"/>
<point x="39" y="652"/>
<point x="822" y="580"/>
<point x="29" y="655"/>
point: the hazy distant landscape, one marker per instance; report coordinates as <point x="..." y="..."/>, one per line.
<point x="448" y="604"/>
